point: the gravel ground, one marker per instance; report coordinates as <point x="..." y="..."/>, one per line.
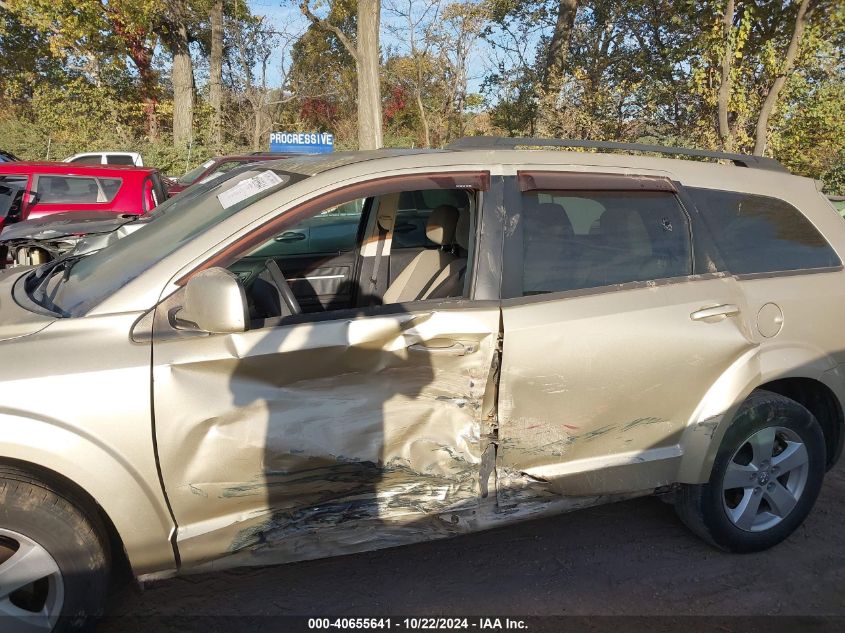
<point x="631" y="558"/>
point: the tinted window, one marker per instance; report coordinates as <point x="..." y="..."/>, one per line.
<point x="334" y="230"/>
<point x="119" y="159"/>
<point x="76" y="189"/>
<point x="413" y="212"/>
<point x="574" y="240"/>
<point x="757" y="234"/>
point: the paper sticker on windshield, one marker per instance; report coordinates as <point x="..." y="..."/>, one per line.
<point x="248" y="188"/>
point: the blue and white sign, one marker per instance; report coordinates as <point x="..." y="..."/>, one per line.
<point x="302" y="142"/>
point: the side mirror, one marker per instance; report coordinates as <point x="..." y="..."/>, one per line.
<point x="215" y="302"/>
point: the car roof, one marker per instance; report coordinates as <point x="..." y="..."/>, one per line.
<point x="106" y="151"/>
<point x="70" y="169"/>
<point x="313" y="164"/>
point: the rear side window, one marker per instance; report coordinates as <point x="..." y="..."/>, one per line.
<point x="76" y="189"/>
<point x="587" y="239"/>
<point x="119" y="159"/>
<point x="759" y="234"/>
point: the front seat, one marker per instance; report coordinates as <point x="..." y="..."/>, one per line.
<point x="434" y="273"/>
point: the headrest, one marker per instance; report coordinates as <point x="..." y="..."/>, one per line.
<point x="626" y="228"/>
<point x="553" y="217"/>
<point x="462" y="229"/>
<point x="441" y="224"/>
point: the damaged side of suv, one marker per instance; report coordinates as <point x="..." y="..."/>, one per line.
<point x="335" y="354"/>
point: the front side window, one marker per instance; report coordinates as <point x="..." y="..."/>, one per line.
<point x="327" y="269"/>
<point x="586" y="239"/>
<point x="759" y="234"/>
<point x="76" y="189"/>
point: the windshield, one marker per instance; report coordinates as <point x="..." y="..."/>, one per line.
<point x="196" y="172"/>
<point x="171" y="225"/>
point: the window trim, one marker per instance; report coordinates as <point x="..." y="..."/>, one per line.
<point x="536" y="180"/>
<point x="471" y="180"/>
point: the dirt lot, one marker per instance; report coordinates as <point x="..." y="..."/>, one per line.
<point x="623" y="559"/>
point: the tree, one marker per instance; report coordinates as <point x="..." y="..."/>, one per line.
<point x="215" y="74"/>
<point x="419" y="25"/>
<point x="100" y="33"/>
<point x="364" y="49"/>
<point x="553" y="70"/>
<point x="253" y="44"/>
<point x="805" y="10"/>
<point x="176" y="37"/>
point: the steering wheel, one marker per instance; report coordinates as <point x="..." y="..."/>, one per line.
<point x="286" y="296"/>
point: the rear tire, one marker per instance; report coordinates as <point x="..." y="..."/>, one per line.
<point x="765" y="479"/>
<point x="54" y="551"/>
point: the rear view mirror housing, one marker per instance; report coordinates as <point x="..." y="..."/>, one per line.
<point x="215" y="302"/>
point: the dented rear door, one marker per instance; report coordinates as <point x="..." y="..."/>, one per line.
<point x="608" y="346"/>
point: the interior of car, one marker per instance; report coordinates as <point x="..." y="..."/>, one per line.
<point x="389" y="249"/>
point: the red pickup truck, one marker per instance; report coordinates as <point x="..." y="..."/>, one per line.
<point x="30" y="190"/>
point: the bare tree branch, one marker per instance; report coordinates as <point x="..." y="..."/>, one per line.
<point x="348" y="44"/>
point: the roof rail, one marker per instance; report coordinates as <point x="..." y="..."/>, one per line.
<point x="504" y="142"/>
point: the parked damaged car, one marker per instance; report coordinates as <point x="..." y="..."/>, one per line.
<point x="569" y="329"/>
<point x="36" y="196"/>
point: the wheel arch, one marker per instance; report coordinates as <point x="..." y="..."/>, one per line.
<point x="804" y="374"/>
<point x="90" y="472"/>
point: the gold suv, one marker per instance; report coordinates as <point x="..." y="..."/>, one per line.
<point x="332" y="354"/>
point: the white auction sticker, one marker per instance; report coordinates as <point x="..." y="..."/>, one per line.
<point x="248" y="188"/>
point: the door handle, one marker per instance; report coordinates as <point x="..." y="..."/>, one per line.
<point x="723" y="311"/>
<point x="290" y="236"/>
<point x="455" y="349"/>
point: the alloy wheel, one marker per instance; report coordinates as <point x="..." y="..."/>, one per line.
<point x="31" y="585"/>
<point x="765" y="478"/>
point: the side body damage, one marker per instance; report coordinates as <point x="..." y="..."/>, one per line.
<point x="321" y="438"/>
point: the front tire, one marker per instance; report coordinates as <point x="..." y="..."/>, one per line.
<point x="765" y="478"/>
<point x="54" y="558"/>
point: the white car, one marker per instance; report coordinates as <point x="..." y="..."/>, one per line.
<point x="107" y="158"/>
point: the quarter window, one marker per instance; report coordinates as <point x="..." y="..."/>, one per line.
<point x="759" y="234"/>
<point x="586" y="239"/>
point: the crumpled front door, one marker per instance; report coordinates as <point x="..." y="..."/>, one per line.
<point x="321" y="438"/>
